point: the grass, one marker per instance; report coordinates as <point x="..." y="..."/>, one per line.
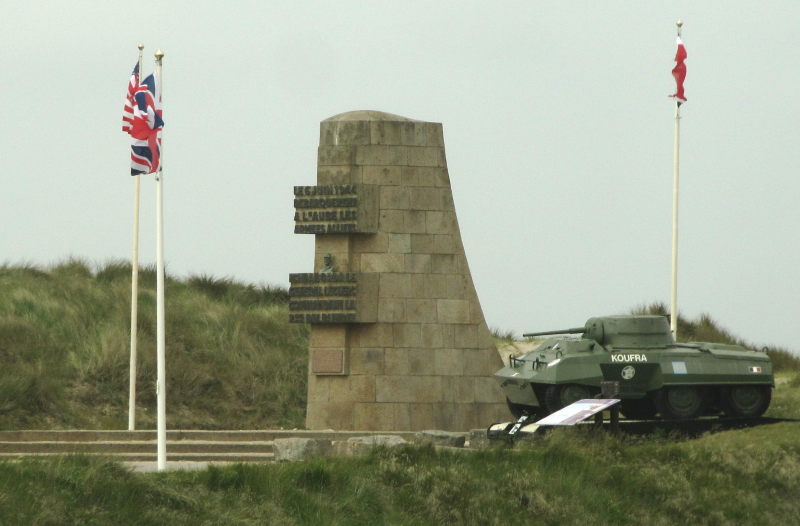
<point x="706" y="329"/>
<point x="233" y="360"/>
<point x="500" y="336"/>
<point x="567" y="477"/>
<point x="786" y="396"/>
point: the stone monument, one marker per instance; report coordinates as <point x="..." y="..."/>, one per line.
<point x="398" y="339"/>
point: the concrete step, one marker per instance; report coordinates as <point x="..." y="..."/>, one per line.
<point x="134" y="446"/>
<point x="145" y="457"/>
<point x="182" y="445"/>
<point x="124" y="435"/>
<point x="192" y="434"/>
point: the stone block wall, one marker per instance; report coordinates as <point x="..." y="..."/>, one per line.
<point x="426" y="362"/>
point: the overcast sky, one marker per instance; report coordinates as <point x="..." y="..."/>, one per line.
<point x="557" y="126"/>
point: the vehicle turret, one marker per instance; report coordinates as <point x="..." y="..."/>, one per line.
<point x="621" y="331"/>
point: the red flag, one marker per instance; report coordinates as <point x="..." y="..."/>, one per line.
<point x="679" y="71"/>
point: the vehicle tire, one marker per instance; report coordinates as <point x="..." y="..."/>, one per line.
<point x="746" y="400"/>
<point x="639" y="409"/>
<point x="680" y="402"/>
<point x="519" y="410"/>
<point x="558" y="396"/>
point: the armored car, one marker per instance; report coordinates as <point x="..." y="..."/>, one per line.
<point x="655" y="375"/>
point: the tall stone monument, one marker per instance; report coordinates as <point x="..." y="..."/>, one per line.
<point x="398" y="338"/>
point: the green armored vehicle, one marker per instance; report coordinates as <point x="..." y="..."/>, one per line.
<point x="656" y="375"/>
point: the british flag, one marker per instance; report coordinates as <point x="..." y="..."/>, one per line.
<point x="142" y="120"/>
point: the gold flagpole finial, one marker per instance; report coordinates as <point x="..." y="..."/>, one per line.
<point x="679" y="24"/>
<point x="159" y="54"/>
<point x="140" y="46"/>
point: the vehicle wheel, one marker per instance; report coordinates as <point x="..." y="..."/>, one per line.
<point x="558" y="396"/>
<point x="519" y="409"/>
<point x="639" y="409"/>
<point x="680" y="403"/>
<point x="746" y="400"/>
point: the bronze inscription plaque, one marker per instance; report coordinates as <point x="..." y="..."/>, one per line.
<point x="336" y="297"/>
<point x="335" y="209"/>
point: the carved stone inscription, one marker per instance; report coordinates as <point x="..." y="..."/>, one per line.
<point x="338" y="297"/>
<point x="335" y="209"/>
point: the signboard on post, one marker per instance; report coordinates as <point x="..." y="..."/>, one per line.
<point x="577" y="412"/>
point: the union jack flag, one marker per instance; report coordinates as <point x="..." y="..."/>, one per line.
<point x="127" y="110"/>
<point x="142" y="120"/>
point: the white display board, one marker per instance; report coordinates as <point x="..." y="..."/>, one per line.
<point x="577" y="411"/>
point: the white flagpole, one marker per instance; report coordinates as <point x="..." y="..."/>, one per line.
<point x="134" y="288"/>
<point x="675" y="171"/>
<point x="161" y="385"/>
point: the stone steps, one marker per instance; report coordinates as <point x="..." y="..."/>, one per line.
<point x="151" y="457"/>
<point x="102" y="447"/>
<point x="140" y="446"/>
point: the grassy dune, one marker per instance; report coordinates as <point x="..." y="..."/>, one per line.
<point x="705" y="329"/>
<point x="234" y="361"/>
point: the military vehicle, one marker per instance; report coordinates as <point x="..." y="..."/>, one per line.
<point x="656" y="375"/>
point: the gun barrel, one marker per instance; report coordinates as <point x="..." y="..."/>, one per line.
<point x="576" y="330"/>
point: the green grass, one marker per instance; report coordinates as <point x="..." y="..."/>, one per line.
<point x="750" y="476"/>
<point x="785" y="396"/>
<point x="233" y="361"/>
<point x="706" y="329"/>
<point x="500" y="336"/>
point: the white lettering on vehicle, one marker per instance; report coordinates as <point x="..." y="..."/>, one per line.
<point x="628" y="358"/>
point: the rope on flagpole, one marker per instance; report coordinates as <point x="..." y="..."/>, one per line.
<point x="134" y="287"/>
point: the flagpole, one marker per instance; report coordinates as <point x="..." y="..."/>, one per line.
<point x="675" y="172"/>
<point x="134" y="288"/>
<point x="161" y="385"/>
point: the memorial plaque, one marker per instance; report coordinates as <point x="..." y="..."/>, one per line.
<point x="335" y="209"/>
<point x="335" y="297"/>
<point x="328" y="361"/>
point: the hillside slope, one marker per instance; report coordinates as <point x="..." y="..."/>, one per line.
<point x="233" y="361"/>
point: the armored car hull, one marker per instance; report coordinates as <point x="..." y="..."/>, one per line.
<point x="655" y="375"/>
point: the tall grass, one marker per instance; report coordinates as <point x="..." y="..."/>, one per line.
<point x="567" y="477"/>
<point x="501" y="336"/>
<point x="706" y="329"/>
<point x="233" y="361"/>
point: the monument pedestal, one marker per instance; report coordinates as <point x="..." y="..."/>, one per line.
<point x="398" y="339"/>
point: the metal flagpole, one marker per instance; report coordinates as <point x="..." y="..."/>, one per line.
<point x="675" y="171"/>
<point x="161" y="385"/>
<point x="134" y="288"/>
